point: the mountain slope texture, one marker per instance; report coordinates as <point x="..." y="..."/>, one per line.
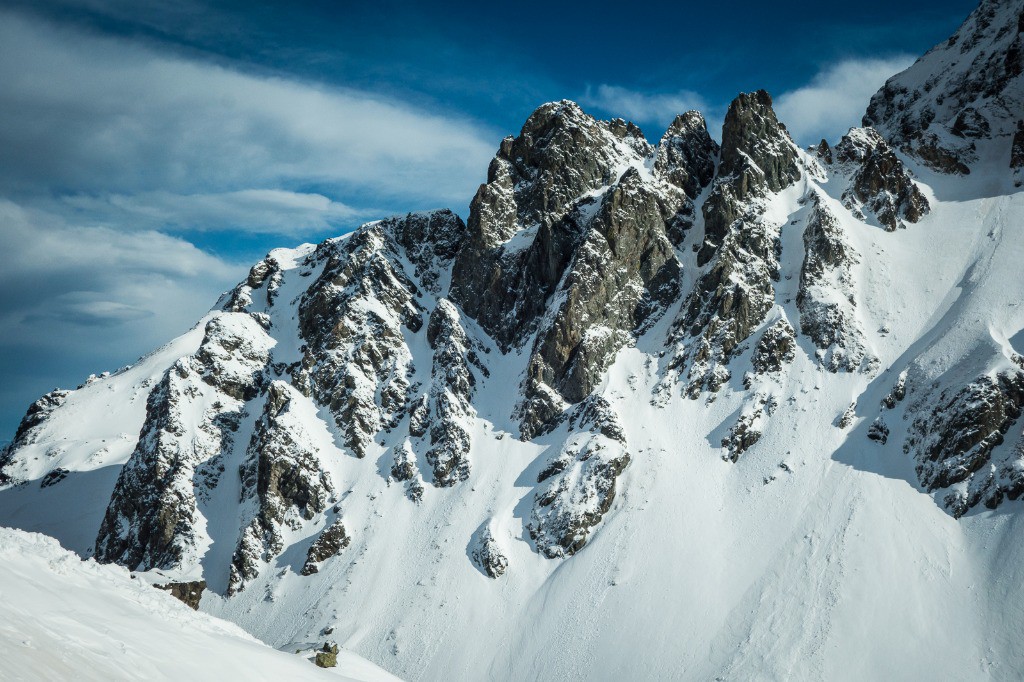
<point x="696" y="409"/>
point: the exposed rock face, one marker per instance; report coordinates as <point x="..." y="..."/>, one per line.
<point x="748" y="427"/>
<point x="36" y="415"/>
<point x="963" y="92"/>
<point x="624" y="274"/>
<point x="188" y="593"/>
<point x="1017" y="154"/>
<point x="356" y="360"/>
<point x="151" y="520"/>
<point x="451" y="395"/>
<point x="826" y="296"/>
<point x="534" y="181"/>
<point x="733" y="296"/>
<point x="282" y="479"/>
<point x="758" y="157"/>
<point x="328" y="544"/>
<point x="686" y="154"/>
<point x="880" y="184"/>
<point x="579" y="484"/>
<point x="486" y="552"/>
<point x="1017" y="148"/>
<point x="775" y="349"/>
<point x="953" y="442"/>
<point x="573" y="237"/>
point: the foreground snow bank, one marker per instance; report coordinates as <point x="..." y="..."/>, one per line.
<point x="64" y="618"/>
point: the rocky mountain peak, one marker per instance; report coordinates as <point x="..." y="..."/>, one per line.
<point x="756" y="145"/>
<point x="962" y="96"/>
<point x="686" y="154"/>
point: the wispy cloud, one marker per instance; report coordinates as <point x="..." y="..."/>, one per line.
<point x="836" y="97"/>
<point x="658" y="109"/>
<point x="75" y="299"/>
<point x="264" y="211"/>
<point x="100" y="115"/>
<point x="58" y="272"/>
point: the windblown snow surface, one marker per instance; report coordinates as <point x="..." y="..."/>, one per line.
<point x="65" y="618"/>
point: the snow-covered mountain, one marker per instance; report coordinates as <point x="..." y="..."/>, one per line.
<point x="693" y="409"/>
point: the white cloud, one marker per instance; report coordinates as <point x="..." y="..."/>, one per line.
<point x="58" y="276"/>
<point x="75" y="300"/>
<point x="836" y="98"/>
<point x="270" y="211"/>
<point x="100" y="115"/>
<point x="655" y="108"/>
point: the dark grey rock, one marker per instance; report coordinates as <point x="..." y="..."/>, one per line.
<point x="775" y="349"/>
<point x="953" y="442"/>
<point x="686" y="154"/>
<point x="880" y="183"/>
<point x="486" y="553"/>
<point x="282" y="477"/>
<point x="828" y="320"/>
<point x="328" y="544"/>
<point x="189" y="593"/>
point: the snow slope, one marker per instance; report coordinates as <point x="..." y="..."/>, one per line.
<point x="64" y="618"/>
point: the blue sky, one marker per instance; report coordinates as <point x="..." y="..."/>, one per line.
<point x="152" y="150"/>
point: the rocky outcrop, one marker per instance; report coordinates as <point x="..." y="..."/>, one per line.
<point x="748" y="427"/>
<point x="519" y="237"/>
<point x="486" y="552"/>
<point x="964" y="91"/>
<point x="826" y="298"/>
<point x="686" y="154"/>
<point x="757" y="157"/>
<point x="450" y="398"/>
<point x="741" y="248"/>
<point x="188" y="593"/>
<point x="327" y="657"/>
<point x="37" y="414"/>
<point x="775" y="349"/>
<point x="356" y="360"/>
<point x="953" y="442"/>
<point x="623" y="275"/>
<point x="282" y="480"/>
<point x="151" y="521"/>
<point x="329" y="543"/>
<point x="578" y="485"/>
<point x="405" y="470"/>
<point x="880" y="185"/>
<point x="1017" y="154"/>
